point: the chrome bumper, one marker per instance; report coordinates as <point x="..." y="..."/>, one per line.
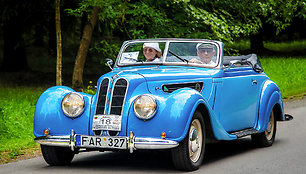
<point x="134" y="143"/>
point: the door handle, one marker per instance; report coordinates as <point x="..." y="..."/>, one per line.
<point x="254" y="82"/>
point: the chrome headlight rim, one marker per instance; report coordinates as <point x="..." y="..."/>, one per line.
<point x="152" y="114"/>
<point x="79" y="113"/>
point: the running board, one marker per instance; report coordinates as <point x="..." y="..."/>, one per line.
<point x="245" y="132"/>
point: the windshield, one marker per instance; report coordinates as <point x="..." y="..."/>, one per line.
<point x="170" y="52"/>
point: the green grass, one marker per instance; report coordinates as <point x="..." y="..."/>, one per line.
<point x="286" y="46"/>
<point x="17" y="107"/>
<point x="288" y="73"/>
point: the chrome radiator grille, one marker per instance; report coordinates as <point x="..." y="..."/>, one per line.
<point x="116" y="98"/>
<point x="101" y="104"/>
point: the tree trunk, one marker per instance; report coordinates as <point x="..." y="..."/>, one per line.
<point x="77" y="79"/>
<point x="14" y="55"/>
<point x="58" y="43"/>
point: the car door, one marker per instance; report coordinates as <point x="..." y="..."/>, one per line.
<point x="240" y="92"/>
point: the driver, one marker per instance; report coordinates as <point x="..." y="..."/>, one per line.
<point x="205" y="52"/>
<point x="152" y="52"/>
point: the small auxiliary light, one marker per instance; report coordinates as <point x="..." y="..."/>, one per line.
<point x="163" y="135"/>
<point x="46" y="132"/>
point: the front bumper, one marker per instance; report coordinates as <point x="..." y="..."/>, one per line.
<point x="134" y="143"/>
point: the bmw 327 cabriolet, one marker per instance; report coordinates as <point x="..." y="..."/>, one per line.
<point x="176" y="94"/>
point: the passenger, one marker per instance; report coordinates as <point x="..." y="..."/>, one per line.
<point x="205" y="52"/>
<point x="152" y="52"/>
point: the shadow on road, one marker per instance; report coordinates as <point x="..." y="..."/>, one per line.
<point x="221" y="150"/>
<point x="153" y="161"/>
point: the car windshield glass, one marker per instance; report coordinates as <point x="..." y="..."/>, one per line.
<point x="192" y="52"/>
<point x="178" y="52"/>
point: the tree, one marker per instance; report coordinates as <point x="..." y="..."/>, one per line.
<point x="77" y="79"/>
<point x="253" y="17"/>
<point x="59" y="43"/>
<point x="217" y="20"/>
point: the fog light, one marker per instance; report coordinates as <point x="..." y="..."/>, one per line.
<point x="163" y="135"/>
<point x="46" y="132"/>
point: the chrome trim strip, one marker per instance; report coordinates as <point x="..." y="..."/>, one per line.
<point x="62" y="141"/>
<point x="154" y="143"/>
<point x="134" y="142"/>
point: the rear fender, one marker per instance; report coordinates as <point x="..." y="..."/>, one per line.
<point x="270" y="97"/>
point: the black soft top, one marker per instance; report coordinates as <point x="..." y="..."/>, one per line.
<point x="250" y="59"/>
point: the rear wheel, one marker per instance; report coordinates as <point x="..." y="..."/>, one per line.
<point x="57" y="156"/>
<point x="266" y="138"/>
<point x="188" y="156"/>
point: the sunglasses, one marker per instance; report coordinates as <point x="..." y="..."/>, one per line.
<point x="208" y="50"/>
<point x="148" y="49"/>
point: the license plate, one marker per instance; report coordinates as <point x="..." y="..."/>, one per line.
<point x="107" y="122"/>
<point x="101" y="142"/>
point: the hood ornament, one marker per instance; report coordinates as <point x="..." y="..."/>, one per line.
<point x="115" y="76"/>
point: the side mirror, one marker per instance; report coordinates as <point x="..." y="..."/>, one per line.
<point x="109" y="63"/>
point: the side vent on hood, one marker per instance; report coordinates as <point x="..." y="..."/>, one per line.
<point x="168" y="88"/>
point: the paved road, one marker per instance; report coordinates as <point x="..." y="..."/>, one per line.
<point x="287" y="155"/>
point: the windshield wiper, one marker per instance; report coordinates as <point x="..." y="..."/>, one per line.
<point x="182" y="59"/>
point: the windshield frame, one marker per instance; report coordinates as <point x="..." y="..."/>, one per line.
<point x="218" y="44"/>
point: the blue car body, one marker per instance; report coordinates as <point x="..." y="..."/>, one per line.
<point x="235" y="100"/>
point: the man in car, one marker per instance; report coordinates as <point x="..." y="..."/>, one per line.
<point x="205" y="52"/>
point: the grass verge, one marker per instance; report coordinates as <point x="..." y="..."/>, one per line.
<point x="288" y="73"/>
<point x="17" y="107"/>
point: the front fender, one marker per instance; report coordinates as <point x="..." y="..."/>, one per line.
<point x="173" y="116"/>
<point x="270" y="96"/>
<point x="49" y="115"/>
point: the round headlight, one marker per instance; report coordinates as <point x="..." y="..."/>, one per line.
<point x="73" y="104"/>
<point x="144" y="107"/>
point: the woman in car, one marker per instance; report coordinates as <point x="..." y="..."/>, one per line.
<point x="152" y="52"/>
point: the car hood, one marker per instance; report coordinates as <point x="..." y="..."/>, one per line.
<point x="166" y="73"/>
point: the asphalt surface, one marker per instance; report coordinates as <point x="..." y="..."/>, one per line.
<point x="287" y="155"/>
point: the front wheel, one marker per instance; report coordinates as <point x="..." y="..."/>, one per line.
<point x="57" y="156"/>
<point x="188" y="156"/>
<point x="266" y="138"/>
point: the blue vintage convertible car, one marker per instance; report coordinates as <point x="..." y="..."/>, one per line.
<point x="176" y="100"/>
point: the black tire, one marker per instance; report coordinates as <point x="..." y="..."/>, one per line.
<point x="57" y="156"/>
<point x="187" y="156"/>
<point x="266" y="138"/>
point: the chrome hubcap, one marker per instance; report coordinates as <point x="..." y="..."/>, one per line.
<point x="195" y="140"/>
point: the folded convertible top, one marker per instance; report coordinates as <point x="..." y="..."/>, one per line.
<point x="250" y="59"/>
